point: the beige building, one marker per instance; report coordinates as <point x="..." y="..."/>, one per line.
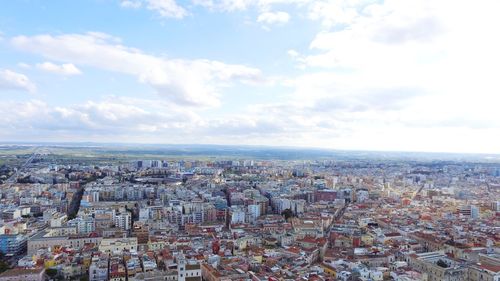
<point x="484" y="272"/>
<point x="488" y="268"/>
<point x="436" y="266"/>
<point x="18" y="274"/>
<point x="109" y="245"/>
<point x="44" y="240"/>
<point x="47" y="239"/>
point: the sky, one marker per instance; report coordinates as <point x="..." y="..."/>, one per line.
<point x="413" y="75"/>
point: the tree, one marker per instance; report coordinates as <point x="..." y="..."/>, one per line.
<point x="441" y="263"/>
<point x="51" y="272"/>
<point x="161" y="265"/>
<point x="4" y="266"/>
<point x="287" y="213"/>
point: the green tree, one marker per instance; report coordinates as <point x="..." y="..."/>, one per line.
<point x="4" y="266"/>
<point x="51" y="272"/>
<point x="287" y="213"/>
<point x="441" y="263"/>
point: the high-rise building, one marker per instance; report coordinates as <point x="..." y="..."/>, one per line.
<point x="469" y="211"/>
<point x="495" y="206"/>
<point x="187" y="269"/>
<point x="12" y="243"/>
<point x="123" y="220"/>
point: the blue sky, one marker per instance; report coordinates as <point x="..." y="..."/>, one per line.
<point x="345" y="74"/>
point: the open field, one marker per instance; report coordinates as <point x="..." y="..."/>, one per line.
<point x="115" y="153"/>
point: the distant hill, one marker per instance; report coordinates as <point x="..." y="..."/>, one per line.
<point x="240" y="151"/>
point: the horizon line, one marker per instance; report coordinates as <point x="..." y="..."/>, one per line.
<point x="262" y="146"/>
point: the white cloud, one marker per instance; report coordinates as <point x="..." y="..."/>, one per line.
<point x="63" y="69"/>
<point x="167" y="8"/>
<point x="24" y="65"/>
<point x="10" y="80"/>
<point x="415" y="57"/>
<point x="130" y="119"/>
<point x="288" y="123"/>
<point x="293" y="53"/>
<point x="225" y="5"/>
<point x="393" y="75"/>
<point x="109" y="116"/>
<point x="397" y="76"/>
<point x="333" y="92"/>
<point x="335" y="12"/>
<point x="164" y="8"/>
<point x="241" y="5"/>
<point x="273" y="18"/>
<point x="131" y="4"/>
<point x="187" y="82"/>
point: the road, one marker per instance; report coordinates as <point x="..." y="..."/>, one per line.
<point x="74" y="205"/>
<point x="338" y="215"/>
<point x="13" y="177"/>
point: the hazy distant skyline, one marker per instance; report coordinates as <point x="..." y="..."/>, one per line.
<point x="371" y="75"/>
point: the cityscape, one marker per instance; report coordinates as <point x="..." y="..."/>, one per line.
<point x="249" y="140"/>
<point x="106" y="215"/>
